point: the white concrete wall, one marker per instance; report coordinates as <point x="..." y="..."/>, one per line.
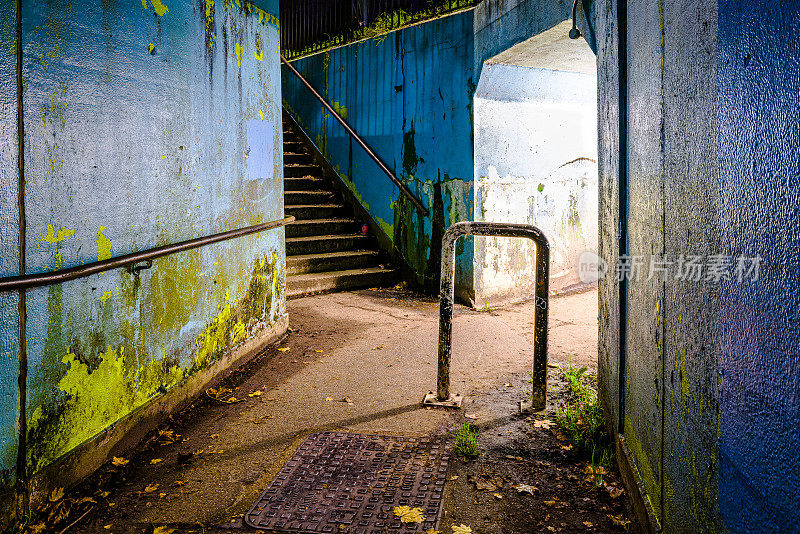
<point x="535" y="120"/>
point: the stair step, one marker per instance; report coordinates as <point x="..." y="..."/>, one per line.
<point x="332" y="261"/>
<point x="315" y="211"/>
<point x="325" y="243"/>
<point x="297" y="157"/>
<point x="304" y="183"/>
<point x="309" y="196"/>
<point x="311" y="227"/>
<point x="301" y="169"/>
<point x="306" y="284"/>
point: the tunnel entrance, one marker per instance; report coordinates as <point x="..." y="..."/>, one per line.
<point x="535" y="131"/>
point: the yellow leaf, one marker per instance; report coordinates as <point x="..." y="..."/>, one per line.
<point x="119" y="462"/>
<point x="284" y="349"/>
<point x="162" y="495"/>
<point x="255" y="393"/>
<point x="618" y="520"/>
<point x="461" y="529"/>
<point x="212" y="436"/>
<point x="320" y="351"/>
<point x="543" y="423"/>
<point x="409" y="515"/>
<point x="155" y="461"/>
<point x="550" y="503"/>
<point x="163" y="530"/>
<point x="56" y="494"/>
<point x="328" y="399"/>
<point x="432" y="531"/>
<point x="151" y="488"/>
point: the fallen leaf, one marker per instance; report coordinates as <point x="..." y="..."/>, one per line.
<point x="56" y="494"/>
<point x="348" y="400"/>
<point x="470" y="416"/>
<point x="525" y="488"/>
<point x="105" y="494"/>
<point x="432" y="531"/>
<point x="328" y="399"/>
<point x="550" y="503"/>
<point x="108" y="526"/>
<point x="319" y="351"/>
<point x="484" y="485"/>
<point x="162" y="495"/>
<point x="588" y="524"/>
<point x="497" y="495"/>
<point x="213" y="436"/>
<point x="37" y="528"/>
<point x="163" y="530"/>
<point x="409" y="515"/>
<point x="461" y="529"/>
<point x="619" y="520"/>
<point x="119" y="462"/>
<point x="151" y="488"/>
<point x="551" y="529"/>
<point x="156" y="461"/>
<point x="613" y="491"/>
<point x="566" y="448"/>
<point x="508" y="385"/>
<point x="284" y="349"/>
<point x="257" y="393"/>
<point x="263" y="419"/>
<point x="379" y="347"/>
<point x="454" y="477"/>
<point x="543" y="423"/>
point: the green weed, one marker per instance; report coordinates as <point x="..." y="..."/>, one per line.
<point x="580" y="420"/>
<point x="466" y="442"/>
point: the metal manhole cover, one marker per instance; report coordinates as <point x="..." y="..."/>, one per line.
<point x="351" y="483"/>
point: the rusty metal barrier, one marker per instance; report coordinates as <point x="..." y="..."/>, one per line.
<point x="443" y="397"/>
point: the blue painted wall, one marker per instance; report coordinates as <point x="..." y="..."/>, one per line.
<point x="759" y="325"/>
<point x="409" y="95"/>
<point x="712" y="393"/>
<point x="146" y="123"/>
<point x="9" y="244"/>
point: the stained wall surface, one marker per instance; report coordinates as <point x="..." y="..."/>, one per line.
<point x="706" y="360"/>
<point x="146" y="123"/>
<point x="536" y="161"/>
<point x="408" y="94"/>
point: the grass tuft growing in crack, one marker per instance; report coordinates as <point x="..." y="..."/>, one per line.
<point x="466" y="442"/>
<point x="580" y="420"/>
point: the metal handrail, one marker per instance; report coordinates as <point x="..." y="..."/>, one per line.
<point x="14" y="283"/>
<point x="538" y="399"/>
<point x="403" y="188"/>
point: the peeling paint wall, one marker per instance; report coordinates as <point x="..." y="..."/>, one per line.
<point x="710" y="407"/>
<point x="408" y="94"/>
<point x="536" y="161"/>
<point x="146" y="123"/>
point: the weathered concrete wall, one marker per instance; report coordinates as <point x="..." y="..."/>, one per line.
<point x="758" y="327"/>
<point x="500" y="24"/>
<point x="408" y="94"/>
<point x="9" y="245"/>
<point x="536" y="161"/>
<point x="710" y="406"/>
<point x="146" y="123"/>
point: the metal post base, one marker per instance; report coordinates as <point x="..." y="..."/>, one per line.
<point x="527" y="407"/>
<point x="453" y="402"/>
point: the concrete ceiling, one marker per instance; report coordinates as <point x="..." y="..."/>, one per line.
<point x="553" y="50"/>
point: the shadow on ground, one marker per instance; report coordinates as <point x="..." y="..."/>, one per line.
<point x="361" y="362"/>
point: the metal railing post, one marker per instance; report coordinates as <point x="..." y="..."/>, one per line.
<point x="443" y="397"/>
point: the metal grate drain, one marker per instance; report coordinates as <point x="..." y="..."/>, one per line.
<point x="351" y="483"/>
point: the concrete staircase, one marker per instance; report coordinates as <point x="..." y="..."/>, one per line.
<point x="325" y="248"/>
